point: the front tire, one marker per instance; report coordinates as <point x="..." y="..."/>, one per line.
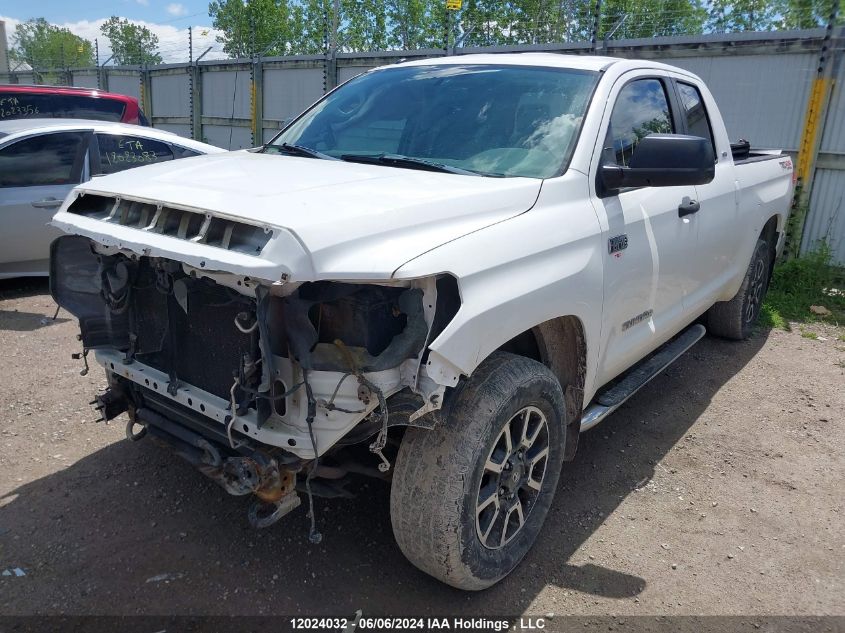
<point x="469" y="497"/>
<point x="735" y="319"/>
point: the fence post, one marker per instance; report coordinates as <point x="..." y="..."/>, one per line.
<point x="196" y="98"/>
<point x="196" y="102"/>
<point x="594" y="35"/>
<point x="330" y="72"/>
<point x="190" y="72"/>
<point x="257" y="100"/>
<point x="330" y="47"/>
<point x="146" y="93"/>
<point x="97" y="61"/>
<point x="818" y="103"/>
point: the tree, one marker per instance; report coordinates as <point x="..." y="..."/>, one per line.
<point x="489" y="22"/>
<point x="131" y="44"/>
<point x="360" y="25"/>
<point x="363" y="25"/>
<point x="271" y="27"/>
<point x="634" y="19"/>
<point x="810" y="14"/>
<point x="313" y="22"/>
<point x="536" y="22"/>
<point x="746" y="15"/>
<point x="414" y="23"/>
<point x="45" y="46"/>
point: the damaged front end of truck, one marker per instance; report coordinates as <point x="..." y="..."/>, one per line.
<point x="269" y="385"/>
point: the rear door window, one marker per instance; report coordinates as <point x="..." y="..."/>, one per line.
<point x="183" y="152"/>
<point x="118" y="152"/>
<point x="695" y="112"/>
<point x="41" y="105"/>
<point x="48" y="159"/>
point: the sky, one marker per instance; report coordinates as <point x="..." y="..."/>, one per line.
<point x="168" y="19"/>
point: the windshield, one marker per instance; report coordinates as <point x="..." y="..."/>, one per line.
<point x="491" y="120"/>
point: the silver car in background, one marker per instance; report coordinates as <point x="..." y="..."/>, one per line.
<point x="41" y="160"/>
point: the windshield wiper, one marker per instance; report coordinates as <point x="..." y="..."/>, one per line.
<point x="397" y="160"/>
<point x="299" y="150"/>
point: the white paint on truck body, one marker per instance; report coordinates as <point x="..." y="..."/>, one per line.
<point x="523" y="250"/>
<point x="331" y="219"/>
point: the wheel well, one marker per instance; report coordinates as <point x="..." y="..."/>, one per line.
<point x="524" y="344"/>
<point x="770" y="234"/>
<point x="561" y="346"/>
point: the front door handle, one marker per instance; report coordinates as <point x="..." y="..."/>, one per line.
<point x="688" y="207"/>
<point x="47" y="203"/>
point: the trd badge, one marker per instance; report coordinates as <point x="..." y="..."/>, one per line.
<point x="618" y="243"/>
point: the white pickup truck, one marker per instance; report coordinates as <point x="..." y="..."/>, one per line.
<point x="439" y="274"/>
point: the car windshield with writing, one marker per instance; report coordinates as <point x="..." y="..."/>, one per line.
<point x="463" y="119"/>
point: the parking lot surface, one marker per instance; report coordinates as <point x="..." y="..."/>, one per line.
<point x="718" y="489"/>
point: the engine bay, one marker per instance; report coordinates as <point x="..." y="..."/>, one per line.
<point x="259" y="385"/>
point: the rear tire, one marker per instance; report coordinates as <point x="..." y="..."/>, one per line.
<point x="735" y="319"/>
<point x="469" y="497"/>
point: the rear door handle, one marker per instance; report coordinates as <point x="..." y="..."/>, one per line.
<point x="688" y="207"/>
<point x="47" y="203"/>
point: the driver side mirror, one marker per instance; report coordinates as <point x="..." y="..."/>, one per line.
<point x="664" y="160"/>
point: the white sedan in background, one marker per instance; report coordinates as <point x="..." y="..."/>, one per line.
<point x="41" y="160"/>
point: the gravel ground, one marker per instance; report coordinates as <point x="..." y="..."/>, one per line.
<point x="717" y="490"/>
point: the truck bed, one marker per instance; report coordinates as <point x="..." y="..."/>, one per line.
<point x="743" y="153"/>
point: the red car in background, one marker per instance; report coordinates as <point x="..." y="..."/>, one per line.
<point x="40" y="102"/>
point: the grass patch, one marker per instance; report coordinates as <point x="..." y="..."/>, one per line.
<point x="803" y="282"/>
<point x="808" y="334"/>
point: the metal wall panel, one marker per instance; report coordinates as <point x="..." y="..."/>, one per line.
<point x="833" y="139"/>
<point x="227" y="137"/>
<point x="225" y="93"/>
<point x="762" y="93"/>
<point x="269" y="133"/>
<point x="345" y="73"/>
<point x="177" y="128"/>
<point x="85" y="80"/>
<point x="169" y="95"/>
<point x="826" y="219"/>
<point x="125" y="85"/>
<point x="288" y="91"/>
<point x="762" y="98"/>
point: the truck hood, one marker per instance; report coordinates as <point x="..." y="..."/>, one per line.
<point x="330" y="219"/>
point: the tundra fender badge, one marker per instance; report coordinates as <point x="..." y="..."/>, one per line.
<point x="617" y="244"/>
<point x="642" y="316"/>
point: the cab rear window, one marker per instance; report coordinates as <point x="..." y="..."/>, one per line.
<point x="39" y="106"/>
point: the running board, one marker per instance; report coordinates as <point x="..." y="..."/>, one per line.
<point x="611" y="397"/>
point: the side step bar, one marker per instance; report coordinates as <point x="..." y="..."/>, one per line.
<point x="611" y="397"/>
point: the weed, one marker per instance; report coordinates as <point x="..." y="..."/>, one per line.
<point x="799" y="283"/>
<point x="809" y="334"/>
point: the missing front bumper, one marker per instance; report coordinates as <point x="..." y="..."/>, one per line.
<point x="256" y="472"/>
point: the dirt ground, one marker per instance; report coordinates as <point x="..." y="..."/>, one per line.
<point x="717" y="490"/>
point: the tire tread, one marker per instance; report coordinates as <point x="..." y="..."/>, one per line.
<point x="426" y="506"/>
